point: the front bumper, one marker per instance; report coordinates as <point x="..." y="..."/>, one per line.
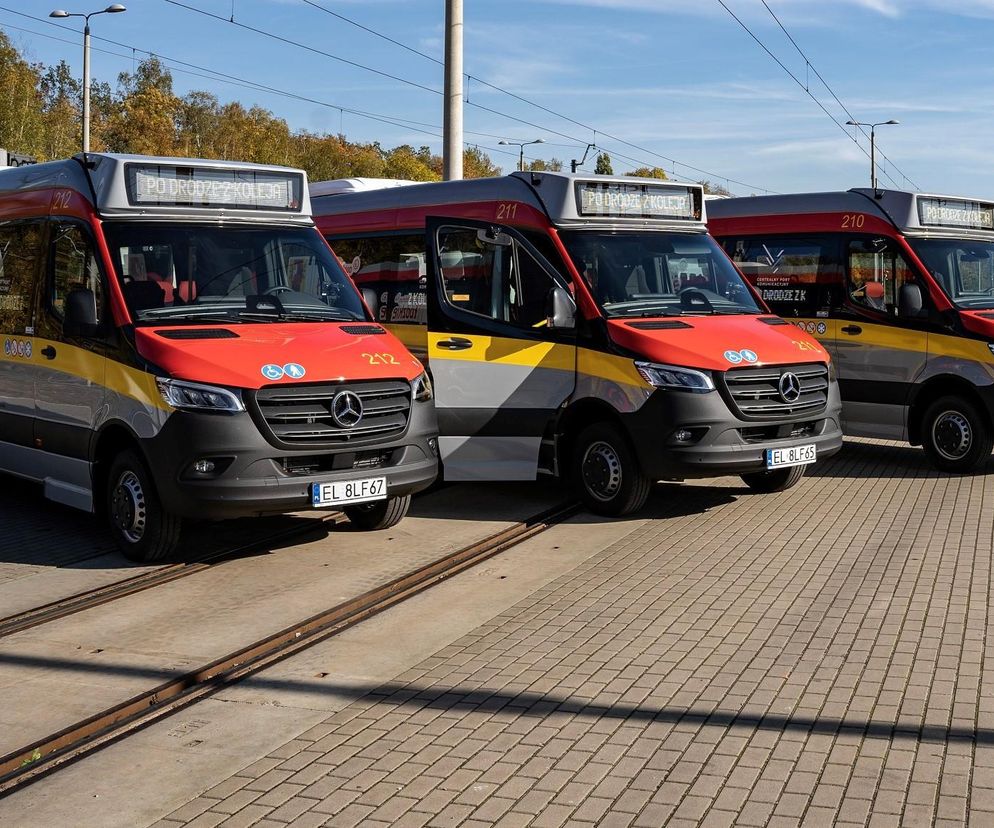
<point x="723" y="443"/>
<point x="258" y="478"/>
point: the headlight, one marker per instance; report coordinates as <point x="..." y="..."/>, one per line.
<point x="193" y="395"/>
<point x="990" y="345"/>
<point x="670" y="376"/>
<point x="422" y="389"/>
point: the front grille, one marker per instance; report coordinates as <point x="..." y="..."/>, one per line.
<point x="301" y="414"/>
<point x="754" y="392"/>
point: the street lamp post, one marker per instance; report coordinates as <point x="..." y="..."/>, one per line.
<point x="115" y="8"/>
<point x="873" y="146"/>
<point x="521" y="146"/>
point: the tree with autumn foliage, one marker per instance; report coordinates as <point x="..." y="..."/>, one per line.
<point x="40" y="115"/>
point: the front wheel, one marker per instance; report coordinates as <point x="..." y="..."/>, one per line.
<point x="379" y="515"/>
<point x="606" y="473"/>
<point x="777" y="480"/>
<point x="956" y="435"/>
<point x="143" y="530"/>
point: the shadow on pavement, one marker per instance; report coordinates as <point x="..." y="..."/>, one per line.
<point x="859" y="460"/>
<point x="543" y="705"/>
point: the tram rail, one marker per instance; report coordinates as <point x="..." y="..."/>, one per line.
<point x="63" y="607"/>
<point x="31" y="762"/>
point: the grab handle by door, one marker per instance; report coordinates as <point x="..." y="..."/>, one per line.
<point x="48" y="352"/>
<point x="456" y="343"/>
<point x="852" y="330"/>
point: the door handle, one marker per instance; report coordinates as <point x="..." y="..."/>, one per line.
<point x="852" y="330"/>
<point x="48" y="352"/>
<point x="455" y="343"/>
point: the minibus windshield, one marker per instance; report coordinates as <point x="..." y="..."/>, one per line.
<point x="658" y="273"/>
<point x="963" y="268"/>
<point x="189" y="273"/>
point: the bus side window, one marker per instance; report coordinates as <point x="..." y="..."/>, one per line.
<point x="875" y="274"/>
<point x="795" y="275"/>
<point x="20" y="257"/>
<point x="499" y="279"/>
<point x="74" y="267"/>
<point x="394" y="268"/>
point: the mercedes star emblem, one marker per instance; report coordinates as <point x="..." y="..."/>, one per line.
<point x="346" y="409"/>
<point x="790" y="387"/>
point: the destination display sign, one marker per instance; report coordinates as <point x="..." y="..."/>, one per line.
<point x="946" y="212"/>
<point x="617" y="199"/>
<point x="165" y="185"/>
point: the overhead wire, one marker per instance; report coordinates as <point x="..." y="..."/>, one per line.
<point x="580" y="142"/>
<point x="176" y="65"/>
<point x="803" y="86"/>
<point x="809" y="64"/>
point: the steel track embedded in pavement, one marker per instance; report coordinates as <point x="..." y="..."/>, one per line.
<point x="25" y="765"/>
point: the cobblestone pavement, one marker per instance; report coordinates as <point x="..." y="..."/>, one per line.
<point x="816" y="657"/>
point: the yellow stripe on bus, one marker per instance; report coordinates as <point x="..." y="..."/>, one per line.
<point x="532" y="354"/>
<point x="91" y="367"/>
<point x="901" y="339"/>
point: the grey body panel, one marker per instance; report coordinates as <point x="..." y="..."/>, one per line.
<point x="65" y="479"/>
<point x="489" y="458"/>
<point x="493" y="386"/>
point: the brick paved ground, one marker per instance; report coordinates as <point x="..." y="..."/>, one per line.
<point x="816" y="657"/>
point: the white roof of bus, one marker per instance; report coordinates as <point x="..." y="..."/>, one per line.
<point x="357" y="185"/>
<point x="106" y="172"/>
<point x="553" y="193"/>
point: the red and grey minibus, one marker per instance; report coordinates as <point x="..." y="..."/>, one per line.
<point x="585" y="327"/>
<point x="899" y="286"/>
<point x="180" y="342"/>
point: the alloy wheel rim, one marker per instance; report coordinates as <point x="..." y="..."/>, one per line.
<point x="952" y="435"/>
<point x="128" y="507"/>
<point x="601" y="470"/>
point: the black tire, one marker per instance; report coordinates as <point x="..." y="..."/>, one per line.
<point x="956" y="435"/>
<point x="142" y="529"/>
<point x="383" y="514"/>
<point x="606" y="473"/>
<point x="776" y="480"/>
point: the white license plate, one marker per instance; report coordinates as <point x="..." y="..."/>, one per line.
<point x="348" y="491"/>
<point x="794" y="456"/>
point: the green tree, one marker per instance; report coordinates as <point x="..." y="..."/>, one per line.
<point x="649" y="172"/>
<point x="406" y="163"/>
<point x="61" y="111"/>
<point x="603" y="164"/>
<point x="539" y="165"/>
<point x="198" y="124"/>
<point x="714" y="188"/>
<point x="144" y="119"/>
<point x="20" y="102"/>
<point x="477" y="164"/>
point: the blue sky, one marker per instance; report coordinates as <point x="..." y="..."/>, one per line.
<point x="678" y="78"/>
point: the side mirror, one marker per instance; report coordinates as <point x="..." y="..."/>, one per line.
<point x="372" y="300"/>
<point x="80" y="311"/>
<point x="910" y="301"/>
<point x="560" y="310"/>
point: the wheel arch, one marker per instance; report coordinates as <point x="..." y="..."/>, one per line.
<point x="934" y="388"/>
<point x="112" y="439"/>
<point x="574" y="419"/>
